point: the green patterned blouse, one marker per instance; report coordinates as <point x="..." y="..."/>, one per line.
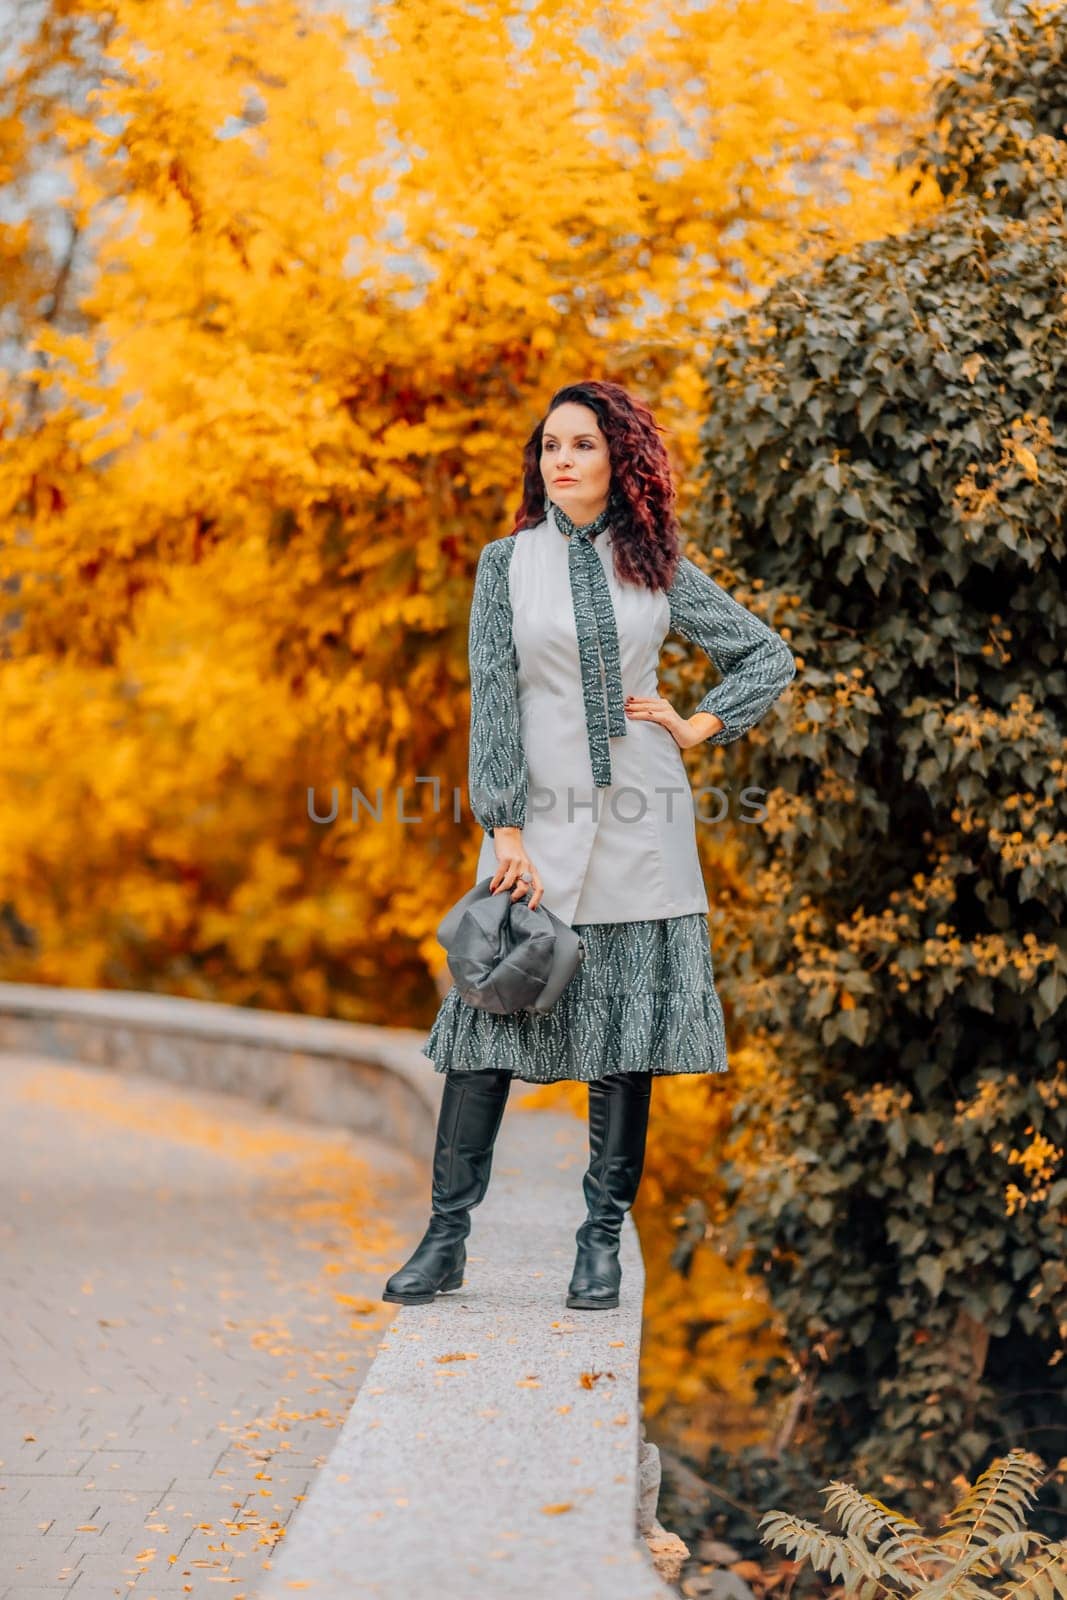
<point x="755" y="662"/>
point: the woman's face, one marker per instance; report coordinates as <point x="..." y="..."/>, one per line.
<point x="574" y="448"/>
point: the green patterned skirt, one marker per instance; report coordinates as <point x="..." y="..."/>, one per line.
<point x="643" y="1000"/>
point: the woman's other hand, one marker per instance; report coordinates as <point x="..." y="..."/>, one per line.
<point x="685" y="731"/>
<point x="512" y="862"/>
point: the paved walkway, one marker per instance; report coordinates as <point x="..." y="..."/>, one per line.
<point x="190" y="1289"/>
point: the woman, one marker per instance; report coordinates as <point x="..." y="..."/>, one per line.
<point x="588" y="807"/>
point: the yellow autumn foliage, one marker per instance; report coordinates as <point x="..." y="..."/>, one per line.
<point x="321" y="280"/>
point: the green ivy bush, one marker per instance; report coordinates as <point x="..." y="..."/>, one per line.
<point x="886" y="452"/>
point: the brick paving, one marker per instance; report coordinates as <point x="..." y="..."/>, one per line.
<point x="190" y="1287"/>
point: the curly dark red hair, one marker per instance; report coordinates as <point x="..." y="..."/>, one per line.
<point x="642" y="494"/>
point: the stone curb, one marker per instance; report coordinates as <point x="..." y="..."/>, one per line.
<point x="373" y="1081"/>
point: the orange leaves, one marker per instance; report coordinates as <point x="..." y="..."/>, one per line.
<point x="589" y="1380"/>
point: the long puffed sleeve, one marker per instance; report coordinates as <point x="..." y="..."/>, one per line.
<point x="497" y="775"/>
<point x="756" y="663"/>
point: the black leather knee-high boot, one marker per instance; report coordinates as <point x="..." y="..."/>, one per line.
<point x="618" y="1123"/>
<point x="472" y="1107"/>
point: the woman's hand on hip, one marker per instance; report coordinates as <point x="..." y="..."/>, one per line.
<point x="657" y="709"/>
<point x="512" y="862"/>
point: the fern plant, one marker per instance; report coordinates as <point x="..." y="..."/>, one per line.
<point x="983" y="1537"/>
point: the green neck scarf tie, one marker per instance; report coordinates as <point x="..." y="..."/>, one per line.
<point x="598" y="637"/>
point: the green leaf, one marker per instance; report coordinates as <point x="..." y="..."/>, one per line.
<point x="930" y="1271"/>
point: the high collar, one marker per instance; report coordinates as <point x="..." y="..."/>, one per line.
<point x="585" y="530"/>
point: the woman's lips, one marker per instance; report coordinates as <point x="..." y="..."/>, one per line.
<point x="566" y="480"/>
